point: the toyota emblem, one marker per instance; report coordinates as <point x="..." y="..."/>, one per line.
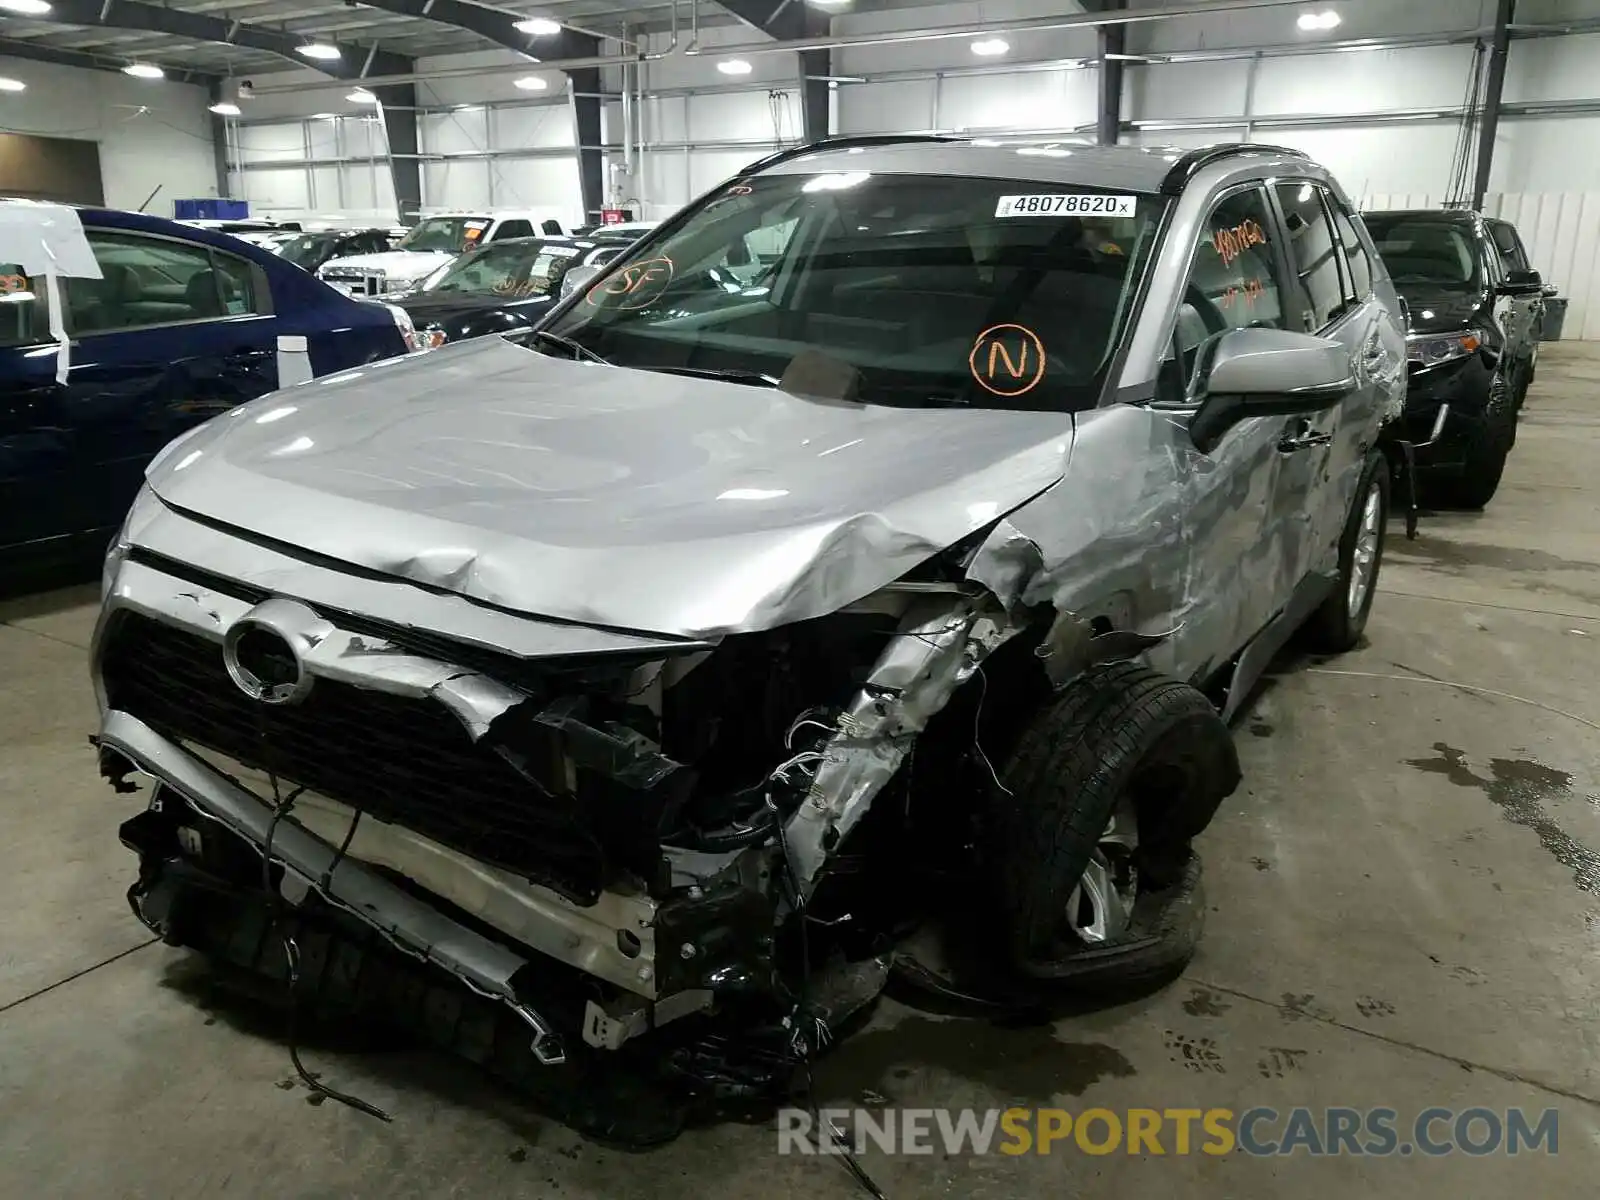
<point x="265" y="651"/>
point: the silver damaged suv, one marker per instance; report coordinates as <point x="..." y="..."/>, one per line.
<point x="856" y="578"/>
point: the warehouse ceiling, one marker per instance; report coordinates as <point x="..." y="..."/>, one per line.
<point x="104" y="37"/>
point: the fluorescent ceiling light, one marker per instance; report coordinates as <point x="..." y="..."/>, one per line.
<point x="1311" y="22"/>
<point x="361" y="96"/>
<point x="734" y="66"/>
<point x="323" y="117"/>
<point x="144" y="71"/>
<point x="538" y="27"/>
<point x="224" y="109"/>
<point x="11" y="85"/>
<point x="830" y="3"/>
<point x="990" y="47"/>
<point x="28" y="8"/>
<point x="531" y="83"/>
<point x="318" y="50"/>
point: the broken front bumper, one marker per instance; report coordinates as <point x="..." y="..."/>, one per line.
<point x="413" y="926"/>
<point x="407" y="871"/>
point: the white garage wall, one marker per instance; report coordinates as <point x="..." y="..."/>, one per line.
<point x="168" y="144"/>
<point x="1382" y="118"/>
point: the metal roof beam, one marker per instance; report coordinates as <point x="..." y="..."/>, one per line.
<point x="34" y="52"/>
<point x="494" y="25"/>
<point x="356" y="61"/>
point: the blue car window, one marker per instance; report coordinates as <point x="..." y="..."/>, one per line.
<point x="149" y="281"/>
<point x="22" y="311"/>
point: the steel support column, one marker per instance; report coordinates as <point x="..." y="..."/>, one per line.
<point x="1113" y="44"/>
<point x="584" y="84"/>
<point x="1490" y="124"/>
<point x="815" y="98"/>
<point x="219" y="139"/>
<point x="398" y="110"/>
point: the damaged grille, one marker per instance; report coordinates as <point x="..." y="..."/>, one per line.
<point x="403" y="760"/>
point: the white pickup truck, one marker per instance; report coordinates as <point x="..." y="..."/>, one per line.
<point x="431" y="243"/>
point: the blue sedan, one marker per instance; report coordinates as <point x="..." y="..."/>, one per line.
<point x="183" y="325"/>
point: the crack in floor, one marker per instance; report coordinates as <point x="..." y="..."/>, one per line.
<point x="93" y="967"/>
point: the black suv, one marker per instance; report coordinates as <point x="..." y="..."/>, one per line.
<point x="1475" y="311"/>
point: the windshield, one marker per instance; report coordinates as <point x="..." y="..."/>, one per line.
<point x="517" y="270"/>
<point x="307" y="249"/>
<point x="450" y="234"/>
<point x="895" y="289"/>
<point x="1420" y="249"/>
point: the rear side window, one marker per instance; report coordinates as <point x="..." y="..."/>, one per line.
<point x="22" y="313"/>
<point x="553" y="228"/>
<point x="1509" y="245"/>
<point x="1359" y="273"/>
<point x="1313" y="251"/>
<point x="149" y="281"/>
<point x="514" y="229"/>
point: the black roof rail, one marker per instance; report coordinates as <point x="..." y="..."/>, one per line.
<point x="846" y="140"/>
<point x="1191" y="163"/>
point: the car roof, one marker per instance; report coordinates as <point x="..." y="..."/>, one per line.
<point x="1457" y="216"/>
<point x="1057" y="161"/>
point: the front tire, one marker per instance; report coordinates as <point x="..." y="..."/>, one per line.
<point x="1338" y="624"/>
<point x="1100" y="798"/>
<point x="1484" y="458"/>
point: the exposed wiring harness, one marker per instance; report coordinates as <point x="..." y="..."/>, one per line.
<point x="281" y="807"/>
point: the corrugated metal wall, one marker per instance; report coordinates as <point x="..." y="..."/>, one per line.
<point x="1562" y="233"/>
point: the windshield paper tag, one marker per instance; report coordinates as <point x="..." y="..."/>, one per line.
<point x="1066" y="204"/>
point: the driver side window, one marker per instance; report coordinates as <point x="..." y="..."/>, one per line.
<point x="1233" y="284"/>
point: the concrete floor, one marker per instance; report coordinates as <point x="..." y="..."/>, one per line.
<point x="1403" y="914"/>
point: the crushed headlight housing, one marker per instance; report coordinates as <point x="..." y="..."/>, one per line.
<point x="1430" y="350"/>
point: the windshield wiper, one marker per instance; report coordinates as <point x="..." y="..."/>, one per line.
<point x="726" y="374"/>
<point x="544" y="337"/>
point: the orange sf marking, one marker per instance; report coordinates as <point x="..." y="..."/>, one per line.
<point x="634" y="286"/>
<point x="1007" y="360"/>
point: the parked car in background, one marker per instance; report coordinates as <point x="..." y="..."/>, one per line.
<point x="240" y="225"/>
<point x="503" y="286"/>
<point x="184" y="325"/>
<point x="628" y="229"/>
<point x="1515" y="263"/>
<point x="268" y="239"/>
<point x="430" y="244"/>
<point x="1473" y="341"/>
<point x="310" y="250"/>
<point x="891" y="539"/>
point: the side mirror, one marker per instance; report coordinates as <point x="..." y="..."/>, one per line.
<point x="1522" y="283"/>
<point x="1247" y="373"/>
<point x="578" y="277"/>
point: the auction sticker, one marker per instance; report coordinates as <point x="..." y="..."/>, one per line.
<point x="1066" y="204"/>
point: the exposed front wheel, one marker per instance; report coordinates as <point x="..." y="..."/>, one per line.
<point x="1098" y="803"/>
<point x="1338" y="624"/>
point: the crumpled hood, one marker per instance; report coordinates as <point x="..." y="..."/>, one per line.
<point x="608" y="496"/>
<point x="397" y="264"/>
